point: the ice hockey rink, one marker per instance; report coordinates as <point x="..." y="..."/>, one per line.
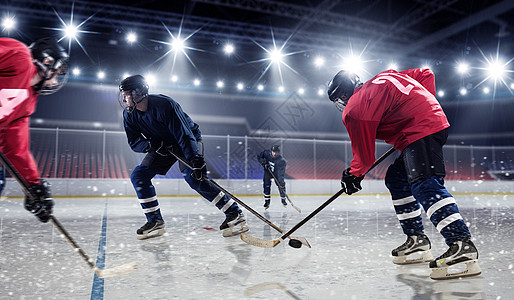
<point x="350" y="256"/>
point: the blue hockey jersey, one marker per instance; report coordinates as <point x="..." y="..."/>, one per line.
<point x="164" y="120"/>
<point x="277" y="164"/>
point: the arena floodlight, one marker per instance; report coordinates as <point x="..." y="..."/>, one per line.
<point x="462" y="68"/>
<point x="319" y="61"/>
<point x="125" y="75"/>
<point x="100" y="75"/>
<point x="178" y="44"/>
<point x="196" y="82"/>
<point x="131" y="37"/>
<point x="496" y="70"/>
<point x="75" y="71"/>
<point x="70" y="31"/>
<point x="463" y="91"/>
<point x="260" y="87"/>
<point x="440" y="93"/>
<point x="228" y="49"/>
<point x="174" y="78"/>
<point x="320" y="92"/>
<point x="392" y="66"/>
<point x="426" y="66"/>
<point x="220" y="84"/>
<point x="353" y="64"/>
<point x="276" y="56"/>
<point x="240" y="86"/>
<point x="301" y="91"/>
<point x="151" y="79"/>
<point x="486" y="90"/>
<point x="512" y="86"/>
<point x="281" y="89"/>
<point x="8" y="23"/>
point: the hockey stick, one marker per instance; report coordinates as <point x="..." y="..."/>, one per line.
<point x="102" y="273"/>
<point x="281" y="189"/>
<point x="300" y="239"/>
<point x="272" y="243"/>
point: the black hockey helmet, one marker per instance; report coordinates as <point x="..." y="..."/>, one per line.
<point x="50" y="59"/>
<point x="275" y="148"/>
<point x="138" y="88"/>
<point x="341" y="88"/>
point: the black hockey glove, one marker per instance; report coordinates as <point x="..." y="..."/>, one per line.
<point x="199" y="167"/>
<point x="351" y="183"/>
<point x="41" y="202"/>
<point x="265" y="164"/>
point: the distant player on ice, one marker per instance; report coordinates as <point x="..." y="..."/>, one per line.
<point x="274" y="166"/>
<point x="26" y="73"/>
<point x="156" y="125"/>
<point x="401" y="109"/>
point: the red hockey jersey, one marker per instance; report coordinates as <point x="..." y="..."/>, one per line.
<point x="396" y="107"/>
<point x="17" y="103"/>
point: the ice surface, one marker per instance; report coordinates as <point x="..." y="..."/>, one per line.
<point x="350" y="257"/>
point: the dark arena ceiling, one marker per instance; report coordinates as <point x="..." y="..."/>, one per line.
<point x="409" y="34"/>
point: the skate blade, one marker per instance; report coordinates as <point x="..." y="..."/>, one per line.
<point x="414" y="258"/>
<point x="472" y="269"/>
<point x="116" y="271"/>
<point x="230" y="232"/>
<point x="152" y="234"/>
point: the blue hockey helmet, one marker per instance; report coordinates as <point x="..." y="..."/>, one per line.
<point x="135" y="86"/>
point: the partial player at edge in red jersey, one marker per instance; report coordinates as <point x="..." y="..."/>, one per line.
<point x="25" y="73"/>
<point x="401" y="109"/>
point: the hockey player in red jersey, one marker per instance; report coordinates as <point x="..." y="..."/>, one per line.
<point x="401" y="109"/>
<point x="25" y="73"/>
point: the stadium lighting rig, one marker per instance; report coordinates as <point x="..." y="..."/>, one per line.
<point x="229" y="49"/>
<point x="72" y="31"/>
<point x="8" y="23"/>
<point x="131" y="37"/>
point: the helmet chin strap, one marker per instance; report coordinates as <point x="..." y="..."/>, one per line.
<point x="136" y="102"/>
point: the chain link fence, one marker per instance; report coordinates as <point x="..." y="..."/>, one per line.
<point x="69" y="153"/>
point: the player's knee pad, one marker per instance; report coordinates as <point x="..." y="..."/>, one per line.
<point x="141" y="174"/>
<point x="396" y="180"/>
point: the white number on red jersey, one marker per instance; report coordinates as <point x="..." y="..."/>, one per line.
<point x="381" y="79"/>
<point x="9" y="99"/>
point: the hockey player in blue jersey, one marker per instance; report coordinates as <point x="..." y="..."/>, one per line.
<point x="156" y="125"/>
<point x="272" y="161"/>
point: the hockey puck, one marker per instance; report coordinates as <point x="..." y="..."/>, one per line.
<point x="295" y="243"/>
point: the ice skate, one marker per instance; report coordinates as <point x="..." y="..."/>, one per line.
<point x="150" y="230"/>
<point x="463" y="251"/>
<point x="233" y="219"/>
<point x="416" y="245"/>
<point x="284" y="202"/>
<point x="266" y="203"/>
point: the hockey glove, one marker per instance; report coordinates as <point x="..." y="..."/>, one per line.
<point x="199" y="168"/>
<point x="266" y="165"/>
<point x="41" y="202"/>
<point x="351" y="183"/>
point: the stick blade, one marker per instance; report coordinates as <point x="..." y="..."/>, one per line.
<point x="249" y="239"/>
<point x="117" y="271"/>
